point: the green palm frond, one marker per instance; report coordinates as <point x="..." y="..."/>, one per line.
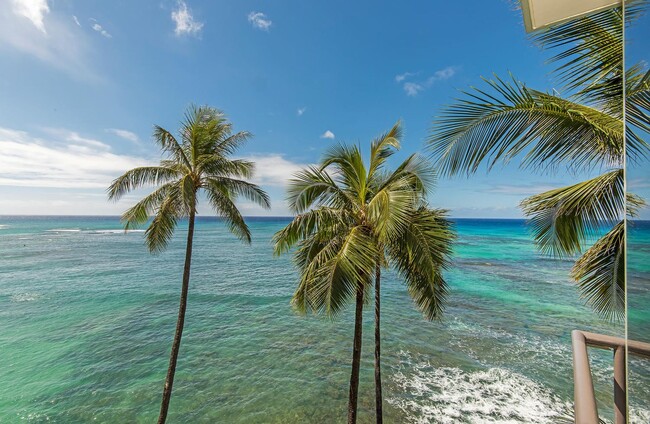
<point x="632" y="204"/>
<point x="384" y="147"/>
<point x="161" y="229"/>
<point x="548" y="130"/>
<point x="140" y="177"/>
<point x="240" y="188"/>
<point x="323" y="220"/>
<point x="638" y="99"/>
<point x="141" y="211"/>
<point x="338" y="269"/>
<point x="600" y="274"/>
<point x="314" y="185"/>
<point x="420" y="254"/>
<point x="563" y="220"/>
<point x="221" y="200"/>
<point x="347" y="167"/>
<point x="169" y="144"/>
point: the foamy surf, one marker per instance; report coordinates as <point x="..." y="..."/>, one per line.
<point x="494" y="395"/>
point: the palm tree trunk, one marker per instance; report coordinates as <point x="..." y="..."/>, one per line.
<point x="356" y="359"/>
<point x="378" y="397"/>
<point x="169" y="380"/>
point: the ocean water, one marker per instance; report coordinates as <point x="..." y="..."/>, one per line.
<point x="87" y="318"/>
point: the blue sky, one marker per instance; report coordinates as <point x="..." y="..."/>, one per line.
<point x="83" y="82"/>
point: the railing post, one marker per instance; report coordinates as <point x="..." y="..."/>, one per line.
<point x="620" y="403"/>
<point x="586" y="411"/>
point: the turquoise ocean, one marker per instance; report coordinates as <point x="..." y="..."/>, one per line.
<point x="87" y="317"/>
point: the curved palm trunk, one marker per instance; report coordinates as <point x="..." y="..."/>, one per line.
<point x="378" y="397"/>
<point x="169" y="380"/>
<point x="356" y="359"/>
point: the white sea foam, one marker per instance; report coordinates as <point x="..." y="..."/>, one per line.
<point x="114" y="231"/>
<point x="3" y="226"/>
<point x="64" y="230"/>
<point x="493" y="395"/>
<point x="25" y="297"/>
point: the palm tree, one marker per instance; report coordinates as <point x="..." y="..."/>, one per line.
<point x="352" y="220"/>
<point x="582" y="131"/>
<point x="200" y="162"/>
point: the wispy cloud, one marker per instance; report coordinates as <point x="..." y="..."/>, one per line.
<point x="34" y="10"/>
<point x="125" y="134"/>
<point x="519" y="189"/>
<point x="412" y="88"/>
<point x="28" y="27"/>
<point x="301" y="111"/>
<point x="98" y="28"/>
<point x="402" y="77"/>
<point x="64" y="159"/>
<point x="184" y="20"/>
<point x="76" y="20"/>
<point x="260" y="20"/>
<point x="328" y="134"/>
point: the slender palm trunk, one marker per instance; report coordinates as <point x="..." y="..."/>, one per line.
<point x="356" y="359"/>
<point x="169" y="380"/>
<point x="378" y="397"/>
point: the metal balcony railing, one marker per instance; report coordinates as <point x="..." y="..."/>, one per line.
<point x="585" y="408"/>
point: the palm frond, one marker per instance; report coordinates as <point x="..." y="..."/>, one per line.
<point x="563" y="220"/>
<point x="139" y="177"/>
<point x="141" y="211"/>
<point x="600" y="274"/>
<point x="348" y="169"/>
<point x="339" y="269"/>
<point x="222" y="203"/>
<point x="633" y="203"/>
<point x="420" y="254"/>
<point x="638" y="99"/>
<point x="326" y="221"/>
<point x="314" y="185"/>
<point x="161" y="229"/>
<point x="548" y="130"/>
<point x="169" y="144"/>
<point x="384" y="147"/>
<point x="241" y="188"/>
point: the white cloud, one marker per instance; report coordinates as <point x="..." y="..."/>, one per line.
<point x="328" y="134"/>
<point x="184" y="20"/>
<point x="53" y="38"/>
<point x="97" y="27"/>
<point x="402" y="77"/>
<point x="259" y="20"/>
<point x="125" y="134"/>
<point x="34" y="10"/>
<point x="76" y="21"/>
<point x="412" y="88"/>
<point x="273" y="169"/>
<point x="301" y="111"/>
<point x="64" y="160"/>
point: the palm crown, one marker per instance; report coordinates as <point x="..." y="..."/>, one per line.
<point x="351" y="217"/>
<point x="199" y="162"/>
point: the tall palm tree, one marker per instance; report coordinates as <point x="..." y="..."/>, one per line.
<point x="200" y="162"/>
<point x="352" y="220"/>
<point x="582" y="130"/>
